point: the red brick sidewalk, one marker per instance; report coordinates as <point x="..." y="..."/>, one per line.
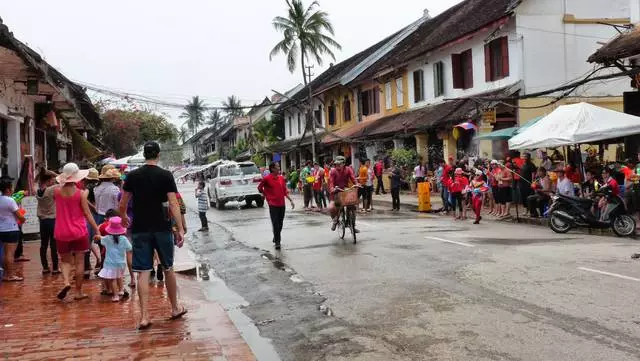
<point x="34" y="325"/>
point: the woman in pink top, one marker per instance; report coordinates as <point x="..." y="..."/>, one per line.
<point x="71" y="234"/>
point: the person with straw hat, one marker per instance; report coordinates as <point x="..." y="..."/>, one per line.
<point x="70" y="233"/>
<point x="90" y="183"/>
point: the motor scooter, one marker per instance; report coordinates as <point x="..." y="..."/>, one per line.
<point x="567" y="212"/>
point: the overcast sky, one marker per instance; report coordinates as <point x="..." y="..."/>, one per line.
<point x="175" y="49"/>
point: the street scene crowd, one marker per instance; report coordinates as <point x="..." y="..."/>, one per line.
<point x="130" y="222"/>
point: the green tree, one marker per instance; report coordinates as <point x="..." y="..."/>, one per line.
<point x="232" y="107"/>
<point x="194" y="114"/>
<point x="306" y="34"/>
<point x="264" y="131"/>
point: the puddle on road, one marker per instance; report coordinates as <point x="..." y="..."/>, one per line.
<point x="233" y="304"/>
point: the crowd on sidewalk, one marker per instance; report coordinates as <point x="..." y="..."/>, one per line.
<point x="478" y="185"/>
<point x="129" y="221"/>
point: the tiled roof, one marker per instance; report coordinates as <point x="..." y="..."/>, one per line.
<point x="454" y="23"/>
<point x="440" y="114"/>
<point x="289" y="144"/>
<point x="623" y="46"/>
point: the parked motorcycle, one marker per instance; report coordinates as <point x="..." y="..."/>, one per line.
<point x="568" y="212"/>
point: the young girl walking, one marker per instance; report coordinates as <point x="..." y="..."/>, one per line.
<point x="117" y="248"/>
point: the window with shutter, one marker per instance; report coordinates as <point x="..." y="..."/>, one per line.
<point x="346" y="109"/>
<point x="364" y="100"/>
<point x="438" y="79"/>
<point x="299" y="125"/>
<point x="387" y="96"/>
<point x="290" y="127"/>
<point x="375" y="93"/>
<point x="332" y="113"/>
<point x="467" y="61"/>
<point x="418" y="86"/>
<point x="496" y="59"/>
<point x="457" y="72"/>
<point x="399" y="93"/>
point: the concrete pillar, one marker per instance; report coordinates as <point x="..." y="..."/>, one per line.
<point x="485" y="146"/>
<point x="449" y="145"/>
<point x="355" y="162"/>
<point x="13" y="147"/>
<point x="334" y="152"/>
<point x="283" y="163"/>
<point x="398" y="144"/>
<point x="422" y="145"/>
<point x="372" y="150"/>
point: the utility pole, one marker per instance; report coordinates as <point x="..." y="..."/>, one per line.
<point x="310" y="118"/>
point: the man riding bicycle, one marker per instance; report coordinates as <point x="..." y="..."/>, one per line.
<point x="339" y="179"/>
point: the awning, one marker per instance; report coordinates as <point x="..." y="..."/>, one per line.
<point x="507" y="133"/>
<point x="346" y="133"/>
<point x="502" y="134"/>
<point x="291" y="144"/>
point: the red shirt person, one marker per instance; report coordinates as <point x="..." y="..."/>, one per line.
<point x="274" y="188"/>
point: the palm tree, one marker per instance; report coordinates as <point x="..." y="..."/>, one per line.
<point x="304" y="35"/>
<point x="183" y="134"/>
<point x="233" y="107"/>
<point x="215" y="119"/>
<point x="194" y="113"/>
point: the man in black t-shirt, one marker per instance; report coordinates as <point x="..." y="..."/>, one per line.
<point x="153" y="190"/>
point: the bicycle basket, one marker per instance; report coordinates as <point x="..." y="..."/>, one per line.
<point x="349" y="198"/>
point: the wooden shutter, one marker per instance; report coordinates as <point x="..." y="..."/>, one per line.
<point x="487" y="62"/>
<point x="417" y="89"/>
<point x="504" y="47"/>
<point x="468" y="75"/>
<point x="456" y="71"/>
<point x="387" y="95"/>
<point x="364" y="97"/>
<point x="438" y="79"/>
<point x="375" y="92"/>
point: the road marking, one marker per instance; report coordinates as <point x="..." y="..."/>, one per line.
<point x="609" y="274"/>
<point x="448" y="241"/>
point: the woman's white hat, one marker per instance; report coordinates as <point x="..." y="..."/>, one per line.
<point x="71" y="173"/>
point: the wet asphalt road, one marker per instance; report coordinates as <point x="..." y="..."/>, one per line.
<point x="424" y="287"/>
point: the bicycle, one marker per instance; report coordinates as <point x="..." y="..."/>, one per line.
<point x="347" y="217"/>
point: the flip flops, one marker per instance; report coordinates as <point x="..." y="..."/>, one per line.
<point x="63" y="293"/>
<point x="81" y="297"/>
<point x="179" y="314"/>
<point x="13" y="279"/>
<point x="144" y="326"/>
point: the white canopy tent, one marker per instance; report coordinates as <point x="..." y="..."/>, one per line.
<point x="137" y="159"/>
<point x="576" y="124"/>
<point x="121" y="161"/>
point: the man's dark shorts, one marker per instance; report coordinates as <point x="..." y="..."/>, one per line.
<point x="143" y="246"/>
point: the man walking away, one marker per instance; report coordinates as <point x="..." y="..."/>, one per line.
<point x="378" y="169"/>
<point x="527" y="174"/>
<point x="152" y="188"/>
<point x="396" y="182"/>
<point x="307" y="191"/>
<point x="203" y="206"/>
<point x="274" y="188"/>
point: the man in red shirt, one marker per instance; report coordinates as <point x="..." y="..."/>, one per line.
<point x="378" y="169"/>
<point x="339" y="177"/>
<point x="274" y="189"/>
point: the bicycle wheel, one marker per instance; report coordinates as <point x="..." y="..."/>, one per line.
<point x="341" y="225"/>
<point x="352" y="223"/>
